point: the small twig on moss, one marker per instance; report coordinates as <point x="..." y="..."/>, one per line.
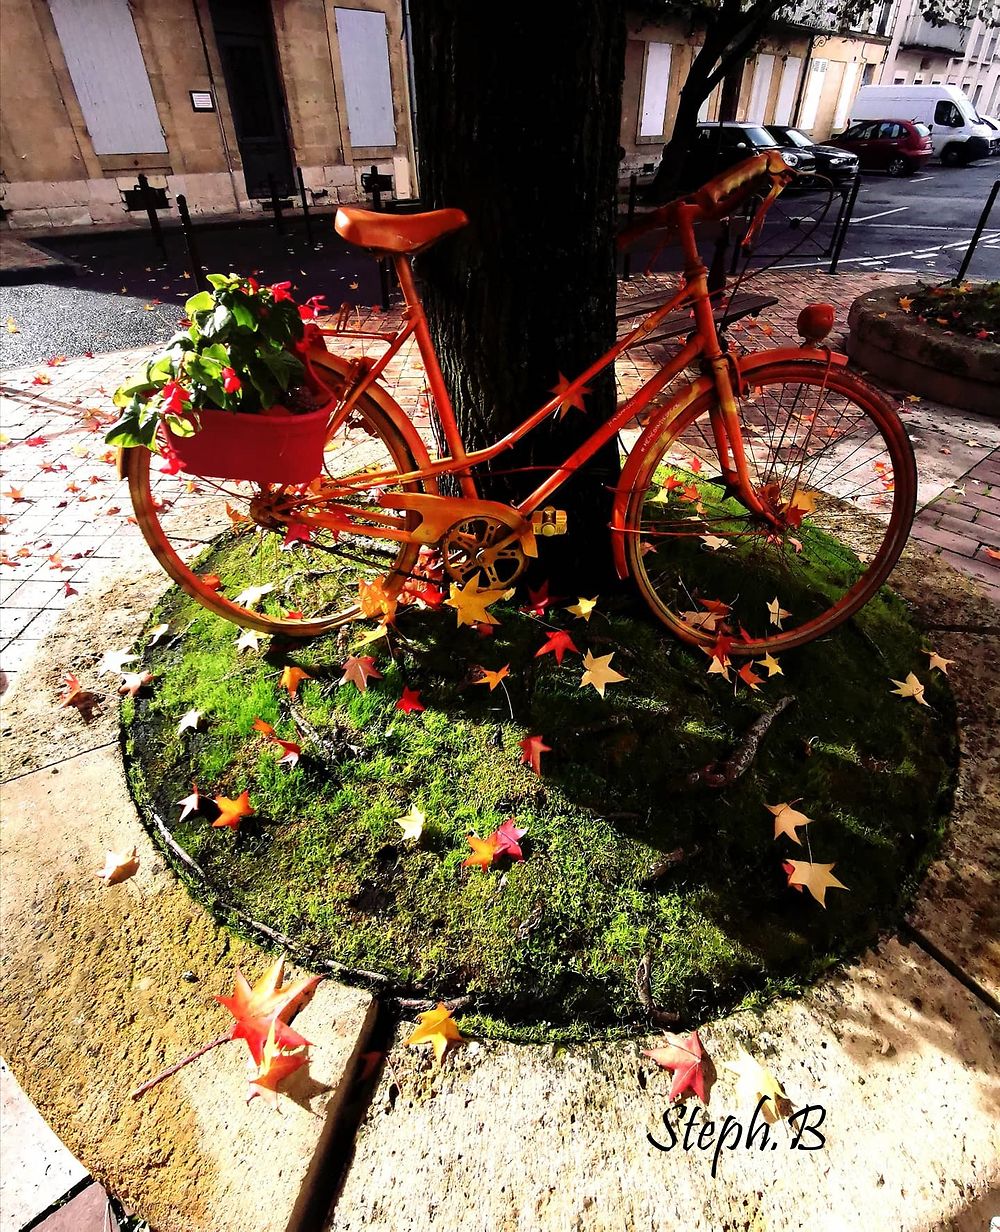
<point x="662" y="1018"/>
<point x="723" y="774"/>
<point x="411" y="1005"/>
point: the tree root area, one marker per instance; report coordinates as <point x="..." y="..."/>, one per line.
<point x="651" y="888"/>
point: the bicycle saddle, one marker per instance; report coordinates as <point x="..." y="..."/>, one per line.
<point x="396" y="233"/>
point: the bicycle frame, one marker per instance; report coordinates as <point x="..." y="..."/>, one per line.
<point x="703" y="342"/>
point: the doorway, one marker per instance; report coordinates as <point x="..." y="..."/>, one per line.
<point x="245" y="39"/>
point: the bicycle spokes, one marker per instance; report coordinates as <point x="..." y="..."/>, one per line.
<point x="821" y="466"/>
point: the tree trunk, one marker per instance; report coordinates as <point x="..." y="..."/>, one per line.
<point x="518" y="114"/>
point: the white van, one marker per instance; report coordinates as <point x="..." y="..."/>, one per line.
<point x="957" y="132"/>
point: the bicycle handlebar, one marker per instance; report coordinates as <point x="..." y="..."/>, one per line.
<point x="718" y="198"/>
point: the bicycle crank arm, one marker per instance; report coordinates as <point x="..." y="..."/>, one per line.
<point x="439" y="513"/>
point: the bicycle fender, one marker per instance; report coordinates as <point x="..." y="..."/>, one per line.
<point x="323" y="358"/>
<point x="746" y="366"/>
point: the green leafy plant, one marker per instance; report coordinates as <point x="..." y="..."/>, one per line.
<point x="236" y="354"/>
<point x="966" y="308"/>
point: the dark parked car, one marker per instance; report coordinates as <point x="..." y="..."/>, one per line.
<point x="717" y="147"/>
<point x="833" y="164"/>
<point x="897" y="146"/>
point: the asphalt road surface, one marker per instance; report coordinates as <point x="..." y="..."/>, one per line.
<point x="920" y="224"/>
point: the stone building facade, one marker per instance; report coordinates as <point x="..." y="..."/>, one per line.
<point x="804" y="74"/>
<point x="967" y="56"/>
<point x="213" y="99"/>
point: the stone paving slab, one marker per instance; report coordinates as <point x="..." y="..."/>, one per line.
<point x="36" y="1170"/>
<point x="905" y="1063"/>
<point x="94" y="1001"/>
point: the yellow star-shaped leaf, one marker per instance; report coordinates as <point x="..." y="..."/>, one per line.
<point x="714" y="542"/>
<point x="253" y="594"/>
<point x="718" y="667"/>
<point x="772" y="665"/>
<point x="247" y="640"/>
<point x="119" y="866"/>
<point x="936" y="661"/>
<point x="372" y="635"/>
<point x="471" y="603"/>
<point x="437" y="1027"/>
<point x="571" y="400"/>
<point x="787" y="820"/>
<point x="412" y="823"/>
<point x="905" y="303"/>
<point x="583" y="608"/>
<point x="776" y="612"/>
<point x="816" y="878"/>
<point x="910" y="687"/>
<point x="755" y="1082"/>
<point x="599" y="672"/>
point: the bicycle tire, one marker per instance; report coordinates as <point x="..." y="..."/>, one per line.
<point x="179" y="542"/>
<point x="839" y="394"/>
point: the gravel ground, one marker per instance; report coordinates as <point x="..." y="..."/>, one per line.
<point x="125" y="295"/>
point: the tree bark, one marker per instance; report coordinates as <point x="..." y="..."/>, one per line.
<point x="518" y="115"/>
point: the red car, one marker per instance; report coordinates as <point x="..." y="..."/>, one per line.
<point x="897" y="146"/>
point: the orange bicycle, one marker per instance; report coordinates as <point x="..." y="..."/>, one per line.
<point x="768" y="498"/>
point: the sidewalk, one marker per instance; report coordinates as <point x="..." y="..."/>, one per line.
<point x="65" y="520"/>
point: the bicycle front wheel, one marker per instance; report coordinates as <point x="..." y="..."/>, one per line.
<point x="240" y="551"/>
<point x="828" y="459"/>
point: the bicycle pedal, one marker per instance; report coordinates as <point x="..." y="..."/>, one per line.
<point x="549" y="521"/>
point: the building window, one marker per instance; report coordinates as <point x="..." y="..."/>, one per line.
<point x="654" y="90"/>
<point x="918" y="80"/>
<point x="899" y="79"/>
<point x="814" y="90"/>
<point x="109" y="75"/>
<point x="868" y="74"/>
<point x="936" y="81"/>
<point x="364" y="58"/>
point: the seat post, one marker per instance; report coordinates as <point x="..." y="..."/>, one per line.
<point x="435" y="377"/>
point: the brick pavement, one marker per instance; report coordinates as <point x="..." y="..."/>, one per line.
<point x="65" y="519"/>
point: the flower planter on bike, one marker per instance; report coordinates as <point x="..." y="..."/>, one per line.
<point x="272" y="448"/>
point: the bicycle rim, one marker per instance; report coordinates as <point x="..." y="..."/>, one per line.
<point x="239" y="549"/>
<point x="829" y="456"/>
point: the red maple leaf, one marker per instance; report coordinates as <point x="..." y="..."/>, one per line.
<point x="507" y="839"/>
<point x="358" y="670"/>
<point x="557" y="643"/>
<point x="268" y="1003"/>
<point x="532" y="748"/>
<point x="720" y="648"/>
<point x="684" y="1058"/>
<point x="410" y="701"/>
<point x="538" y="600"/>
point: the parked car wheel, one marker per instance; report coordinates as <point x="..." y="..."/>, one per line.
<point x="899" y="166"/>
<point x="951" y="156"/>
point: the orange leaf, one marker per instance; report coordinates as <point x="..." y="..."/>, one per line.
<point x="268" y="1004"/>
<point x="291" y="678"/>
<point x="231" y="812"/>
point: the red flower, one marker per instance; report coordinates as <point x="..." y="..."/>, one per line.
<point x="174" y="396"/>
<point x="231" y="383"/>
<point x="253" y="284"/>
<point x="280" y="291"/>
<point x="313" y="307"/>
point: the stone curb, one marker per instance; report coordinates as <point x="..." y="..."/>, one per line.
<point x="888" y="342"/>
<point x="103" y="986"/>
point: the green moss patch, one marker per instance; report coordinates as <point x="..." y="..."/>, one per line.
<point x="548" y="947"/>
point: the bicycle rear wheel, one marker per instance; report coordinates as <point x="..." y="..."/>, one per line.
<point x="239" y="550"/>
<point x="828" y="456"/>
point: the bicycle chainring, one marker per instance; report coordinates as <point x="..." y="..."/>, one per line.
<point x="476" y="545"/>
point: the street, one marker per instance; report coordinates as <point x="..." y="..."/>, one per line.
<point x="920" y="224"/>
